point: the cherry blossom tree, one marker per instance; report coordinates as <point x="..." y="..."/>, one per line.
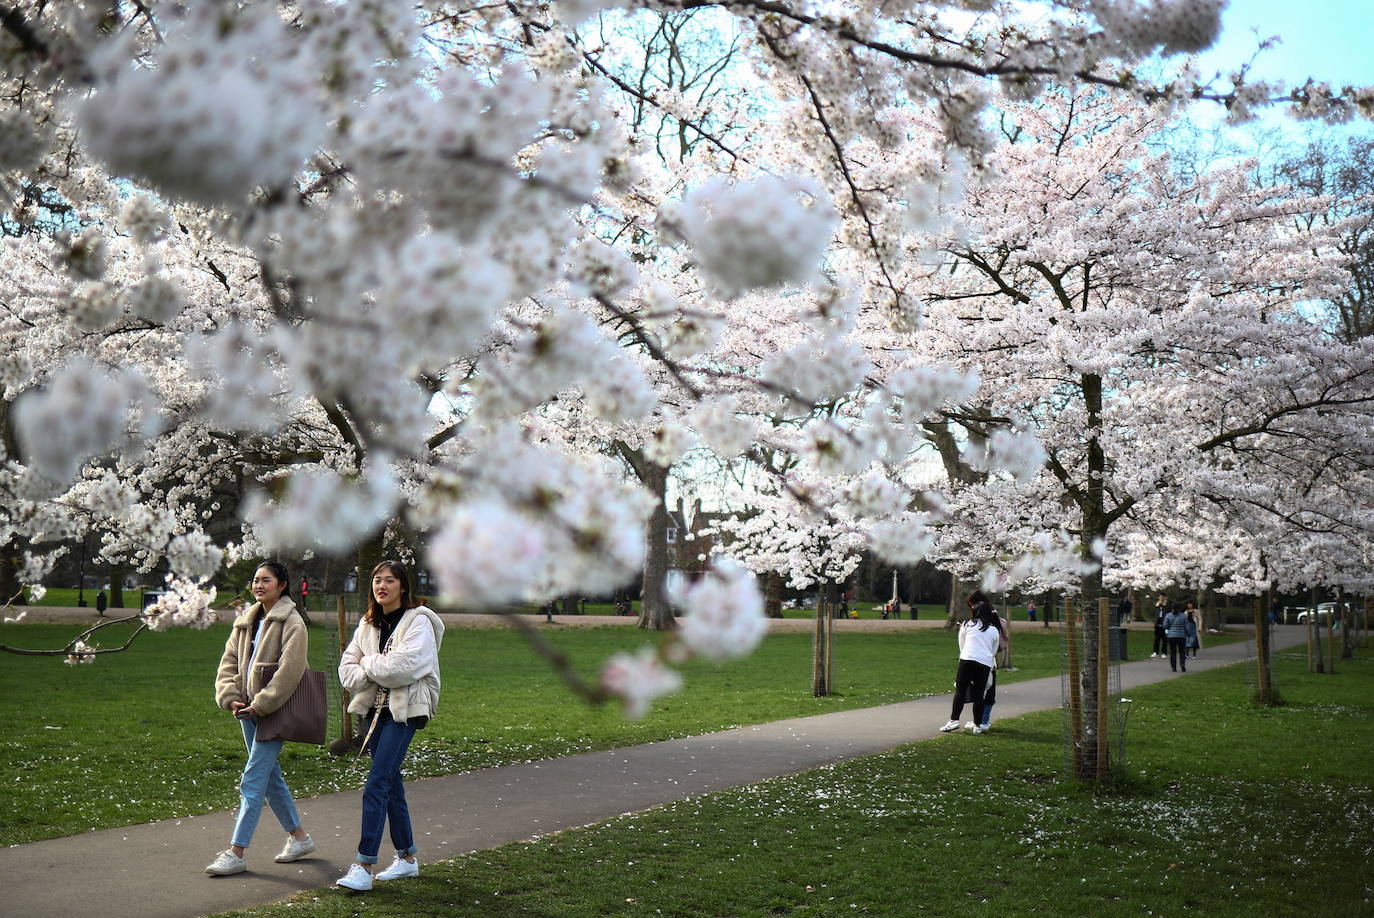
<point x="1149" y="329"/>
<point x="385" y="204"/>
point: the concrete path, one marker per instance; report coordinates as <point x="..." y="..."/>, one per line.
<point x="156" y="869"/>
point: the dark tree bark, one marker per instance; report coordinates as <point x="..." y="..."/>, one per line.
<point x="117" y="574"/>
<point x="772" y="594"/>
<point x="654" y="612"/>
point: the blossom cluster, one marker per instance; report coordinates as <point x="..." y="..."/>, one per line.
<point x="723" y="612"/>
<point x="764" y="232"/>
<point x="84" y="412"/>
<point x="204" y="119"/>
<point x="637" y="679"/>
<point x="183" y="603"/>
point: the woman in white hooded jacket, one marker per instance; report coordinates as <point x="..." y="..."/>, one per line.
<point x="391" y="667"/>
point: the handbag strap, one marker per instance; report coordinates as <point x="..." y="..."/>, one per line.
<point x="383" y="696"/>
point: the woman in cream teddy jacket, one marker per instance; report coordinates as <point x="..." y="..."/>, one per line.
<point x="392" y="668"/>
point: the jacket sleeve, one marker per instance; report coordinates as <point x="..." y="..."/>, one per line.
<point x="227" y="688"/>
<point x="411" y="659"/>
<point x="962" y="632"/>
<point x="351" y="675"/>
<point x="291" y="666"/>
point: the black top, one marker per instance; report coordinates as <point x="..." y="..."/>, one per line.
<point x="388" y="625"/>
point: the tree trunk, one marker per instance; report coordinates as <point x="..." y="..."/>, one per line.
<point x="1264" y="685"/>
<point x="957" y="603"/>
<point x="117" y="574"/>
<point x="655" y="614"/>
<point x="10" y="588"/>
<point x="1092" y="503"/>
<point x="823" y="653"/>
<point x="1347" y="626"/>
<point x="371" y="552"/>
<point x="772" y="594"/>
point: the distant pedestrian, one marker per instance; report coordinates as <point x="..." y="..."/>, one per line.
<point x="1176" y="632"/>
<point x="1194" y="641"/>
<point x="1123" y="611"/>
<point x="269" y="633"/>
<point x="979" y="638"/>
<point x="1030" y="610"/>
<point x="1161" y="610"/>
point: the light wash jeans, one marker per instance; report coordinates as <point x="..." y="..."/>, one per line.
<point x="262" y="780"/>
<point x="384" y="796"/>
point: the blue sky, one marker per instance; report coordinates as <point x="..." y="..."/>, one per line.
<point x="1326" y="39"/>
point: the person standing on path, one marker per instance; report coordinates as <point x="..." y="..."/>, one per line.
<point x="1194" y="639"/>
<point x="1030" y="610"/>
<point x="392" y="669"/>
<point x="990" y="697"/>
<point x="979" y="638"/>
<point x="1176" y="632"/>
<point x="270" y="632"/>
<point x="1161" y="610"/>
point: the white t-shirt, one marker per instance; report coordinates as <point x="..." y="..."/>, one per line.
<point x="977" y="645"/>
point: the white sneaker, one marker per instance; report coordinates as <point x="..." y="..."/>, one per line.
<point x="357" y="878"/>
<point x="980" y="729"/>
<point x="226" y="863"/>
<point x="399" y="870"/>
<point x="970" y="725"/>
<point x="950" y="727"/>
<point x="295" y="849"/>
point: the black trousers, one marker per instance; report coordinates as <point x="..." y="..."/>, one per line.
<point x="1160" y="640"/>
<point x="971" y="679"/>
<point x="1178" y="654"/>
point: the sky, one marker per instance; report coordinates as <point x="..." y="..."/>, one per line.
<point x="1326" y="39"/>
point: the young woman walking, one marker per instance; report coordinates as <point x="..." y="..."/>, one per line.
<point x="979" y="638"/>
<point x="269" y="633"/>
<point x="1176" y="631"/>
<point x="392" y="669"/>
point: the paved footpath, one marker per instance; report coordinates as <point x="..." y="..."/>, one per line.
<point x="157" y="869"/>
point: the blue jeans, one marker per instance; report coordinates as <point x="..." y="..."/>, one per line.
<point x="262" y="780"/>
<point x="384" y="796"/>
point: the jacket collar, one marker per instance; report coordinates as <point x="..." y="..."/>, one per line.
<point x="279" y="611"/>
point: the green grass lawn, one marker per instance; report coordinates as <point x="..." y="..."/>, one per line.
<point x="136" y="736"/>
<point x="1223" y="810"/>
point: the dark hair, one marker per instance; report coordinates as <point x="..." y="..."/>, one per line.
<point x="374" y="613"/>
<point x="279" y="571"/>
<point x="983" y="612"/>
